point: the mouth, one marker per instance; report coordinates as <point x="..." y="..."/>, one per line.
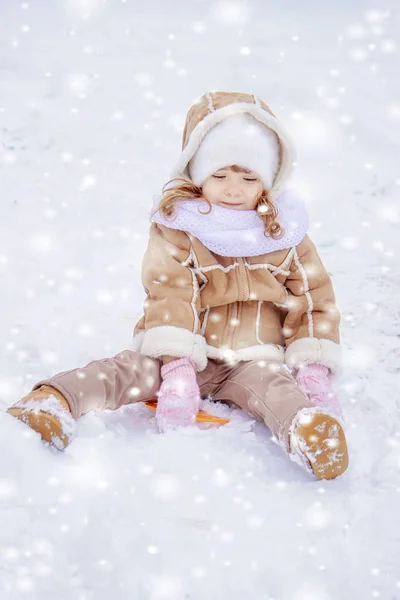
<point x="230" y="205"/>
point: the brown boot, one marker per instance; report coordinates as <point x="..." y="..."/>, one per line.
<point x="318" y="440"/>
<point x="51" y="417"/>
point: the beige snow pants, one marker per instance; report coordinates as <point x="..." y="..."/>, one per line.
<point x="266" y="390"/>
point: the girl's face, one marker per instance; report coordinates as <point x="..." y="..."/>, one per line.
<point x="229" y="189"/>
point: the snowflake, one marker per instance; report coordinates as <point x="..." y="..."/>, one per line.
<point x="144" y="79"/>
<point x="198" y="27"/>
<point x="7" y="489"/>
<point x="49" y="358"/>
<point x="87" y="183"/>
<point x="231" y="13"/>
<point x="9" y="157"/>
<point x="83" y="8"/>
<point x="317" y="517"/>
<point x="105" y="297"/>
<point x="376" y="16"/>
<point x="166" y="487"/>
<point x="221" y="478"/>
<point x="166" y="587"/>
<point x="79" y="84"/>
<point x="41" y="242"/>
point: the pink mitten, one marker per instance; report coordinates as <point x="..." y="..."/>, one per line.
<point x="314" y="381"/>
<point x="179" y="395"/>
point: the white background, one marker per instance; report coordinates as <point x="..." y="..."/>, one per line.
<point x="93" y="98"/>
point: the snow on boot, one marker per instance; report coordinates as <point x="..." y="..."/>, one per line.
<point x="318" y="443"/>
<point x="46" y="411"/>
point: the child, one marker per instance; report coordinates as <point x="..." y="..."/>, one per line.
<point x="239" y="306"/>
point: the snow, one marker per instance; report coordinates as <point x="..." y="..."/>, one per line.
<point x="93" y="97"/>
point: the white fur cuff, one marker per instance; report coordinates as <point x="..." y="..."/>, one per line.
<point x="268" y="352"/>
<point x="172" y="341"/>
<point x="313" y="350"/>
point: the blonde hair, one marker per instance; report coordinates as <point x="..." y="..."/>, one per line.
<point x="187" y="190"/>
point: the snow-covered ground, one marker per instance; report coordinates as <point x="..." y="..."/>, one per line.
<point x="93" y="96"/>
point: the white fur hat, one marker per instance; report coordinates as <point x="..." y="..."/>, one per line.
<point x="237" y="140"/>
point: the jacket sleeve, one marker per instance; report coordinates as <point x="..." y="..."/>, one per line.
<point x="172" y="305"/>
<point x="311" y="325"/>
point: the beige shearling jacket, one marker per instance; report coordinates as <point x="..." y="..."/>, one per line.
<point x="278" y="306"/>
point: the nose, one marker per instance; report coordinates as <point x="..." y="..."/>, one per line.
<point x="232" y="191"/>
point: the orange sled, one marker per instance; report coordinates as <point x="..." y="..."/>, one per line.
<point x="202" y="416"/>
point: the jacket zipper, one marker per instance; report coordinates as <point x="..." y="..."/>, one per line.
<point x="233" y="328"/>
<point x="244" y="279"/>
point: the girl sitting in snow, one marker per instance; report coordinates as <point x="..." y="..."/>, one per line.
<point x="239" y="306"/>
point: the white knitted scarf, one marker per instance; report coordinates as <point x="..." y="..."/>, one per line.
<point x="232" y="232"/>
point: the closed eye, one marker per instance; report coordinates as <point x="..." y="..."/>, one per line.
<point x="223" y="177"/>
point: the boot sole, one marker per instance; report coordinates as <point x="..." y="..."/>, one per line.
<point x="323" y="442"/>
